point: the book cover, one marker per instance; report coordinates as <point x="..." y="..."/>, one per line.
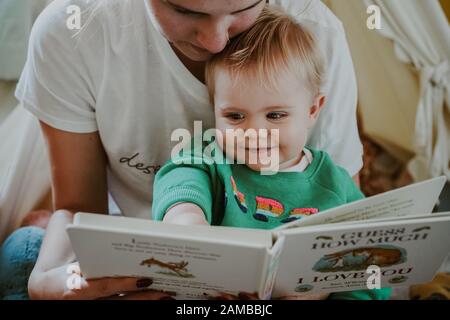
<point x="327" y="252"/>
<point x="196" y="262"/>
<point x="342" y="257"/>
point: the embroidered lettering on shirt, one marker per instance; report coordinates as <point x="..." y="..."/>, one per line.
<point x="132" y="162"/>
<point x="269" y="207"/>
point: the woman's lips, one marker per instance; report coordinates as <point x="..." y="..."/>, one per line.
<point x="198" y="49"/>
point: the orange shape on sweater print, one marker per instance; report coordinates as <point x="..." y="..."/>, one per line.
<point x="238" y="196"/>
<point x="299" y="213"/>
<point x="303" y="212"/>
<point x="266" y="207"/>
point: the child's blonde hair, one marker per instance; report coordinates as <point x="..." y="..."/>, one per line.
<point x="276" y="43"/>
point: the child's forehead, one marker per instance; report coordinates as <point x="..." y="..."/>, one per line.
<point x="275" y="80"/>
<point x="250" y="94"/>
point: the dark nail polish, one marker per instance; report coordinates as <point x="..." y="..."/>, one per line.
<point x="144" y="283"/>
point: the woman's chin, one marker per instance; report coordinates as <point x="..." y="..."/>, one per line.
<point x="193" y="53"/>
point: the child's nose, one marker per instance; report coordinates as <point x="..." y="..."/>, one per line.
<point x="257" y="137"/>
<point x="256" y="124"/>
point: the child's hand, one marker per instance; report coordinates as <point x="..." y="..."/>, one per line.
<point x="319" y="296"/>
<point x="185" y="213"/>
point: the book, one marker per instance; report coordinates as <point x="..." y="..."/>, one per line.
<point x="391" y="239"/>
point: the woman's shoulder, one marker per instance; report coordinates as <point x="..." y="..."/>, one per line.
<point x="84" y="22"/>
<point x="313" y="11"/>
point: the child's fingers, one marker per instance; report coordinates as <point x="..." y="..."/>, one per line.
<point x="248" y="296"/>
<point x="318" y="296"/>
<point x="143" y="295"/>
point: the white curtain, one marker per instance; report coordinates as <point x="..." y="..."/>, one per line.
<point x="421" y="34"/>
<point x="24" y="168"/>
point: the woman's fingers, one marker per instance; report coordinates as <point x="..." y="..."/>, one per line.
<point x="106" y="287"/>
<point x="67" y="282"/>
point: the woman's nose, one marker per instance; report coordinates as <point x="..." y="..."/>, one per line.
<point x="213" y="35"/>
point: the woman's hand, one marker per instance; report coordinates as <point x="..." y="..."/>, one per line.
<point x="79" y="184"/>
<point x="67" y="283"/>
<point x="56" y="276"/>
<point x="185" y="213"/>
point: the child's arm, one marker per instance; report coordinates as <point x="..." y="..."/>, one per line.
<point x="183" y="194"/>
<point x="185" y="213"/>
<point x="184" y="189"/>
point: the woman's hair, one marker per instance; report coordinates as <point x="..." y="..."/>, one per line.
<point x="276" y="43"/>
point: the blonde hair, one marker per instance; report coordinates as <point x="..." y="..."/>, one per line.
<point x="275" y="43"/>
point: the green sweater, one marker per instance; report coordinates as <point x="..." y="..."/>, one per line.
<point x="234" y="195"/>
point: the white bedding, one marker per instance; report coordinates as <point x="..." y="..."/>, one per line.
<point x="24" y="168"/>
<point x="16" y="19"/>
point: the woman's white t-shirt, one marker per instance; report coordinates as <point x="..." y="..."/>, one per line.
<point x="120" y="77"/>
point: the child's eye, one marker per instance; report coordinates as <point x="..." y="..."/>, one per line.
<point x="276" y="115"/>
<point x="235" y="117"/>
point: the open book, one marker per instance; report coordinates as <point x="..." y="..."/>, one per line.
<point x="331" y="251"/>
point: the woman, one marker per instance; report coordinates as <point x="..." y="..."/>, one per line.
<point x="109" y="96"/>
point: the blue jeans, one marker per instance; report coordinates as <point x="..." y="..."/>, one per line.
<point x="18" y="255"/>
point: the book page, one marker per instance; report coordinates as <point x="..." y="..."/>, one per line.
<point x="337" y="257"/>
<point x="271" y="268"/>
<point x="192" y="269"/>
<point x="414" y="199"/>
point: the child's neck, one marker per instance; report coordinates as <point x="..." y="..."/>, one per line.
<point x="285" y="166"/>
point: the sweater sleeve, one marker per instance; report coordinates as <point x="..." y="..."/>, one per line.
<point x="352" y="191"/>
<point x="186" y="178"/>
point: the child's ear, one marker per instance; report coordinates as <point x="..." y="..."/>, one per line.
<point x="314" y="110"/>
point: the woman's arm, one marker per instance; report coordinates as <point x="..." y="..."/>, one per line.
<point x="78" y="166"/>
